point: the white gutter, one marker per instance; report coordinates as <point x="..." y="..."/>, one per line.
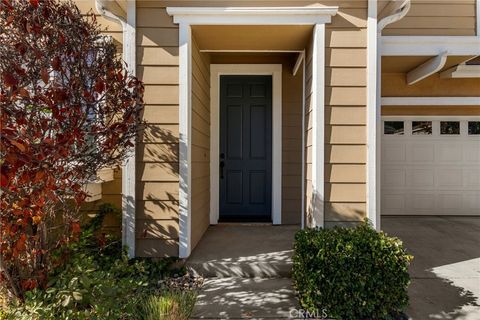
<point x="111" y="10"/>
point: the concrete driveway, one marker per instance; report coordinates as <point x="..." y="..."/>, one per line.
<point x="446" y="269"/>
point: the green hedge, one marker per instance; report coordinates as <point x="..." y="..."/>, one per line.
<point x="351" y="273"/>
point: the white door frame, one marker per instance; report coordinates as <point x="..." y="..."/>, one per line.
<point x="275" y="70"/>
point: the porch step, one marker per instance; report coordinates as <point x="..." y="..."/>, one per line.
<point x="247" y="251"/>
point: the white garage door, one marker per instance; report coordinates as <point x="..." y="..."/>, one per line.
<point x="430" y="165"/>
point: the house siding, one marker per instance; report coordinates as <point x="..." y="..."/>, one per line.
<point x="345" y="111"/>
<point x="394" y="85"/>
<point x="345" y="117"/>
<point x="157" y="183"/>
<point x="436" y="17"/>
<point x="157" y="177"/>
<point x="200" y="143"/>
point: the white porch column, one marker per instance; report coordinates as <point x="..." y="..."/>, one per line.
<point x="185" y="120"/>
<point x="373" y="116"/>
<point x="128" y="170"/>
<point x="318" y="127"/>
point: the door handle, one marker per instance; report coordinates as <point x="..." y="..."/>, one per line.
<point x="222" y="164"/>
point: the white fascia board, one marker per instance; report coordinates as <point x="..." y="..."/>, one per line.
<point x="430" y="45"/>
<point x="248" y="11"/>
<point x="252" y="16"/>
<point x="462" y="71"/>
<point x="430" y="101"/>
<point x="427" y="68"/>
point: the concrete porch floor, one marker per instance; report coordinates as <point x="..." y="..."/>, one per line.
<point x="244" y="250"/>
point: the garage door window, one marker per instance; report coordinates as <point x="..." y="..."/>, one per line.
<point x="393" y="127"/>
<point x="421" y="127"/>
<point x="474" y="127"/>
<point x="450" y="127"/>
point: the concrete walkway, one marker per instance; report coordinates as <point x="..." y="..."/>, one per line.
<point x="446" y="269"/>
<point x="245" y="298"/>
<point x="247" y="269"/>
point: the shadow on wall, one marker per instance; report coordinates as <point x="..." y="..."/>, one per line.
<point x="347" y="217"/>
<point x="157" y="222"/>
<point x="445" y="271"/>
<point x="160" y="156"/>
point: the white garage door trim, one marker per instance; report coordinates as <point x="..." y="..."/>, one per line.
<point x="430" y="174"/>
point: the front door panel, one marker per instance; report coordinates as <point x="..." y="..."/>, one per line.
<point x="245" y="148"/>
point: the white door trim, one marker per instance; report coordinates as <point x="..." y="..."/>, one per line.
<point x="275" y="70"/>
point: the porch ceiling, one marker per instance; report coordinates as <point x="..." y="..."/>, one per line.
<point x="280" y="37"/>
<point x="403" y="64"/>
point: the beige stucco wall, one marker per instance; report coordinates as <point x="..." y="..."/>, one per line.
<point x="437" y="17"/>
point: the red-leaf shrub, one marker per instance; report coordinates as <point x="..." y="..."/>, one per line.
<point x="68" y="108"/>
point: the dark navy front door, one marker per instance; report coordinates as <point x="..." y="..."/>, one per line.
<point x="245" y="148"/>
